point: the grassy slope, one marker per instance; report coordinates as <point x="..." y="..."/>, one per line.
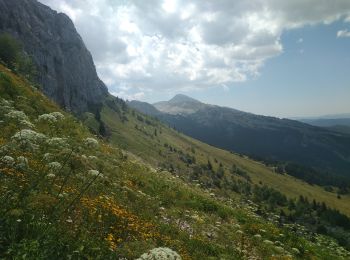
<point x="128" y="210"/>
<point x="148" y="146"/>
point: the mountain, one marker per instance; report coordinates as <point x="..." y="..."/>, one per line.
<point x="327" y="122"/>
<point x="67" y="192"/>
<point x="179" y="104"/>
<point x="66" y="71"/>
<point x="259" y="136"/>
<point x="145" y="107"/>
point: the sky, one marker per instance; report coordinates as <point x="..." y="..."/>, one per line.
<point x="269" y="57"/>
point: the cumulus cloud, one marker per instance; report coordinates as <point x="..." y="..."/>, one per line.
<point x="154" y="45"/>
<point x="343" y="33"/>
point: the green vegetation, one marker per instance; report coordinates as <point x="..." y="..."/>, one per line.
<point x="13" y="56"/>
<point x="65" y="193"/>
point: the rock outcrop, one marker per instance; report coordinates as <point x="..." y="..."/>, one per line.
<point x="65" y="67"/>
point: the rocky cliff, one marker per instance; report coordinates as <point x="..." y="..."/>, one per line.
<point x="65" y="67"/>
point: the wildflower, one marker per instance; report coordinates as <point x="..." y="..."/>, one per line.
<point x="258" y="236"/>
<point x="19" y="220"/>
<point x="51" y="118"/>
<point x="47" y="156"/>
<point x="26" y="123"/>
<point x="268" y="242"/>
<point x="91" y="142"/>
<point x="48" y="118"/>
<point x="239" y="232"/>
<point x="22" y="162"/>
<point x="160" y="253"/>
<point x="295" y="250"/>
<point x="57" y="142"/>
<point x="92" y="157"/>
<point x="57" y="115"/>
<point x="28" y="139"/>
<point x="94" y="173"/>
<point x="7" y="160"/>
<point x="54" y="166"/>
<point x="51" y="176"/>
<point x="17" y="115"/>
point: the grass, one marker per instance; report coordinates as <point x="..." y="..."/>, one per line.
<point x="147" y="146"/>
<point x="107" y="201"/>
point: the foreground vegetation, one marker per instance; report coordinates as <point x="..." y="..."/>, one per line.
<point x="65" y="193"/>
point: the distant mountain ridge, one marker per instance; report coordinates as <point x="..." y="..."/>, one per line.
<point x="261" y="136"/>
<point x="65" y="67"/>
<point x="179" y="104"/>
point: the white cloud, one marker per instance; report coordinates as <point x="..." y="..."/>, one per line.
<point x="343" y="33"/>
<point x="164" y="45"/>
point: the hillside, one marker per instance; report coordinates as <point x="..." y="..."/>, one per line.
<point x="113" y="183"/>
<point x="259" y="136"/>
<point x="73" y="195"/>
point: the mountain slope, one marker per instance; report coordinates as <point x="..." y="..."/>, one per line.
<point x="65" y="68"/>
<point x="66" y="194"/>
<point x="327" y="122"/>
<point x="266" y="137"/>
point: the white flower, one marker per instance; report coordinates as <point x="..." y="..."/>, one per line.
<point x="51" y="176"/>
<point x="28" y="138"/>
<point x="30" y="135"/>
<point x="47" y="157"/>
<point x="7" y="160"/>
<point x="57" y="142"/>
<point x="91" y="142"/>
<point x="4" y="102"/>
<point x="258" y="236"/>
<point x="239" y="232"/>
<point x="17" y="115"/>
<point x="27" y="124"/>
<point x="54" y="166"/>
<point x="268" y="242"/>
<point x="22" y="162"/>
<point x="47" y="118"/>
<point x="51" y="118"/>
<point x="57" y="115"/>
<point x="93" y="172"/>
<point x="295" y="250"/>
<point x="160" y="253"/>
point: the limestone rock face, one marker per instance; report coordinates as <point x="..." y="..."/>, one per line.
<point x="65" y="67"/>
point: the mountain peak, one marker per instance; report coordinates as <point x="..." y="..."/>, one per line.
<point x="179" y="98"/>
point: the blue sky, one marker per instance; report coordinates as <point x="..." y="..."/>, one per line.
<point x="270" y="57"/>
<point x="310" y="78"/>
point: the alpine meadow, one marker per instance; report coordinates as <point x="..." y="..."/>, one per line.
<point x="94" y="164"/>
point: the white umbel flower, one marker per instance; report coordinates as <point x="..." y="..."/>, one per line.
<point x="51" y="118"/>
<point x="7" y="160"/>
<point x="28" y="139"/>
<point x="22" y="162"/>
<point x="160" y="253"/>
<point x="54" y="166"/>
<point x="17" y="115"/>
<point x="91" y="142"/>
